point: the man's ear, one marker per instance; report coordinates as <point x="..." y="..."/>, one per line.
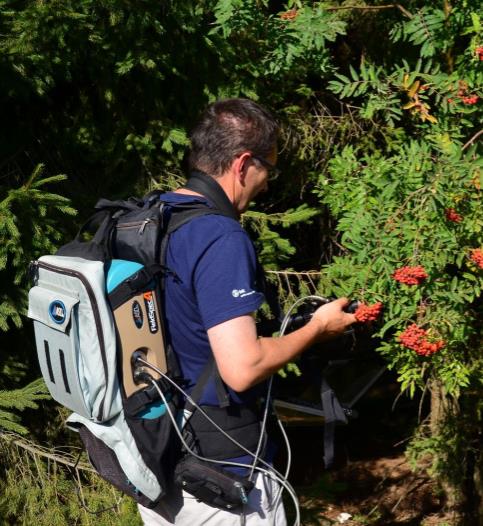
<point x="240" y="166"/>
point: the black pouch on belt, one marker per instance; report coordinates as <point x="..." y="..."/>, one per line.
<point x="212" y="485"/>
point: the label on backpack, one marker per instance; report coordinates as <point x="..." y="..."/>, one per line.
<point x="137" y="315"/>
<point x="51" y="307"/>
<point x="151" y="310"/>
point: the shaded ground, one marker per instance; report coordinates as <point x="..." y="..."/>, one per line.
<point x="372" y="492"/>
<point x="371" y="480"/>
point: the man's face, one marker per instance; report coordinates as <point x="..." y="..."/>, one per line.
<point x="259" y="173"/>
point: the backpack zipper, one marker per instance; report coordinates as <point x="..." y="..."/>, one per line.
<point x="134" y="224"/>
<point x="97" y="317"/>
<point x="143" y="226"/>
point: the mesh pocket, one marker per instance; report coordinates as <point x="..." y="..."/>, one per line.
<point x="106" y="464"/>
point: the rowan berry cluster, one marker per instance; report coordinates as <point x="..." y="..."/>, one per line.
<point x="365" y="313"/>
<point x="477" y="256"/>
<point x="479" y="52"/>
<point x="415" y="338"/>
<point x="471" y="99"/>
<point x="289" y="15"/>
<point x="410" y="275"/>
<point x="452" y="215"/>
<point x="463" y="94"/>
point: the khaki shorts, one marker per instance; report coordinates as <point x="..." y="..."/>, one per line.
<point x="183" y="509"/>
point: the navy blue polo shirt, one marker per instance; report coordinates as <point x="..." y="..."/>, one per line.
<point x="216" y="267"/>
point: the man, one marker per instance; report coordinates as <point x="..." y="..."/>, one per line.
<point x="210" y="305"/>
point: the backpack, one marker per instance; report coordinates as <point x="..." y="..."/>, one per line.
<point x="95" y="303"/>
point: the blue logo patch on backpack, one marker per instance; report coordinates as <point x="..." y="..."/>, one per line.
<point x="57" y="311"/>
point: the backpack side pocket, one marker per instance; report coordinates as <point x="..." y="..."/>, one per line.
<point x="56" y="333"/>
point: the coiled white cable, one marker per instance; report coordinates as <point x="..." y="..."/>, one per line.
<point x="271" y="471"/>
<point x="283" y="328"/>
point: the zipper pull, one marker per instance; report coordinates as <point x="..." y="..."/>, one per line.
<point x="241" y="490"/>
<point x="143" y="226"/>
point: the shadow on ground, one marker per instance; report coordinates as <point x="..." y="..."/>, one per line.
<point x="371" y="479"/>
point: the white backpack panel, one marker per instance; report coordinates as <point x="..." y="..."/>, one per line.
<point x="75" y="336"/>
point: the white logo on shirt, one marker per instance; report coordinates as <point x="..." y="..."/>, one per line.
<point x="241" y="293"/>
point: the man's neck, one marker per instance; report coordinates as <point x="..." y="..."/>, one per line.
<point x="185" y="191"/>
<point x="219" y="191"/>
<point x="226" y="184"/>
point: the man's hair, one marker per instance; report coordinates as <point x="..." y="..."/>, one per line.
<point x="226" y="129"/>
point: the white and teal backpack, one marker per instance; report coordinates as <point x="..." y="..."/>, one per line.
<point x="93" y="305"/>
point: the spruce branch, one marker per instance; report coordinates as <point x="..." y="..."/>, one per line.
<point x="37" y="172"/>
<point x="20" y="399"/>
<point x="28" y="228"/>
<point x="8" y="310"/>
<point x="67" y="459"/>
<point x="11" y="422"/>
<point x="47" y="180"/>
<point x="290" y="217"/>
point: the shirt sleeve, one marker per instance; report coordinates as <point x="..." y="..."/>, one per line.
<point x="225" y="279"/>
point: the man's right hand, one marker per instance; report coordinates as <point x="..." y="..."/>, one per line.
<point x="332" y="320"/>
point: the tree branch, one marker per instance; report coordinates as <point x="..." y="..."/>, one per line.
<point x="293" y="273"/>
<point x="372" y="8"/>
<point x="43" y="452"/>
<point x="472" y="140"/>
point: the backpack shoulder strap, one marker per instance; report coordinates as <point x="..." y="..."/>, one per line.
<point x="181" y="215"/>
<point x="205" y="185"/>
<point x="178" y="219"/>
<point x="210" y="370"/>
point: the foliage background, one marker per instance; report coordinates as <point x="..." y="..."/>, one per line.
<point x="378" y="142"/>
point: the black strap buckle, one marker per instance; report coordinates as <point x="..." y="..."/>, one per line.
<point x="143" y="277"/>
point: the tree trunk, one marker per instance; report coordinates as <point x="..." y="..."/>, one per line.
<point x="478" y="482"/>
<point x="443" y="410"/>
<point x="463" y="486"/>
<point x="474" y="479"/>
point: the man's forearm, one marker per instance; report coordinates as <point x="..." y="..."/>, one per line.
<point x="244" y="360"/>
<point x="262" y="357"/>
<point x="274" y="353"/>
